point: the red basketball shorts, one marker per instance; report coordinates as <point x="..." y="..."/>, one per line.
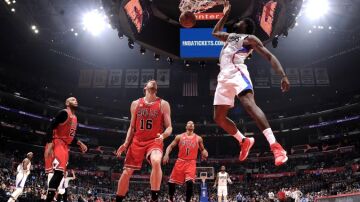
<point x="60" y="157"/>
<point x="184" y="170"/>
<point x="138" y="150"/>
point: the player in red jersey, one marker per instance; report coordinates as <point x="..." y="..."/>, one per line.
<point x="184" y="170"/>
<point x="61" y="133"/>
<point x="149" y="116"/>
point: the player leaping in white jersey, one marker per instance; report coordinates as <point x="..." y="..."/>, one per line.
<point x="234" y="81"/>
<point x="222" y="179"/>
<point x="23" y="171"/>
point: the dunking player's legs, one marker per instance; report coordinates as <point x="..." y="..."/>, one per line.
<point x="156" y="174"/>
<point x="248" y="102"/>
<point x="220" y="117"/>
<point x="123" y="184"/>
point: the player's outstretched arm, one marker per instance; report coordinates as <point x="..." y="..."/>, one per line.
<point x="204" y="152"/>
<point x="73" y="175"/>
<point x="259" y="47"/>
<point x="82" y="146"/>
<point x="131" y="130"/>
<point x="165" y="106"/>
<point x="217" y="31"/>
<point x="216" y="180"/>
<point x="170" y="148"/>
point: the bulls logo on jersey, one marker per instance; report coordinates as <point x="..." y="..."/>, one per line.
<point x="149" y="120"/>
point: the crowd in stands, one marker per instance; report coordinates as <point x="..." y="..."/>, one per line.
<point x="246" y="188"/>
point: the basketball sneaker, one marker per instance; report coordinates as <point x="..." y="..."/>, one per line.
<point x="246" y="145"/>
<point x="279" y="154"/>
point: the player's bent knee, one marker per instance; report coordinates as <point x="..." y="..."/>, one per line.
<point x="155" y="161"/>
<point x="127" y="172"/>
<point x="155" y="158"/>
<point x="219" y="119"/>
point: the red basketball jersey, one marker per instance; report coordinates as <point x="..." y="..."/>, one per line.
<point x="149" y="120"/>
<point x="188" y="147"/>
<point x="66" y="131"/>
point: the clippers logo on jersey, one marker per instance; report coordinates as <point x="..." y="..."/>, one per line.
<point x="188" y="147"/>
<point x="67" y="130"/>
<point x="233" y="51"/>
<point x="223" y="178"/>
<point x="149" y="120"/>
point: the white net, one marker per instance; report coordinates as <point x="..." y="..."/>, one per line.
<point x="198" y="6"/>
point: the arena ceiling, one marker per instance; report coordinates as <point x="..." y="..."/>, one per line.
<point x="156" y="26"/>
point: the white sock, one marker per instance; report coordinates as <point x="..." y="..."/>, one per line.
<point x="269" y="136"/>
<point x="239" y="136"/>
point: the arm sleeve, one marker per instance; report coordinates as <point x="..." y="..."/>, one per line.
<point x="60" y="117"/>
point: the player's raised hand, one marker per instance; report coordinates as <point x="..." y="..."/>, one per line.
<point x="83" y="147"/>
<point x="159" y="138"/>
<point x="227" y="7"/>
<point x="285" y="84"/>
<point x="204" y="155"/>
<point x="121" y="149"/>
<point x="165" y="159"/>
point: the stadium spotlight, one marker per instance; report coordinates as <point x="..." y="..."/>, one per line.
<point x="169" y="60"/>
<point x="94" y="22"/>
<point x="142" y="50"/>
<point x="315" y="9"/>
<point x="275" y="42"/>
<point x="13" y="10"/>
<point x="156" y="56"/>
<point x="33" y="27"/>
<point x="131" y="43"/>
<point x="76" y="34"/>
<point x="8" y="2"/>
<point x="36" y="31"/>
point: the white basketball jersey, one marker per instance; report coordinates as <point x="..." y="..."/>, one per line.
<point x="222" y="179"/>
<point x="20" y="168"/>
<point x="232" y="56"/>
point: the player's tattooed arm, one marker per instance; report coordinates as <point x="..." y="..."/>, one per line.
<point x="204" y="152"/>
<point x="170" y="148"/>
<point x="217" y="31"/>
<point x="259" y="47"/>
<point x="131" y="130"/>
<point x="165" y="106"/>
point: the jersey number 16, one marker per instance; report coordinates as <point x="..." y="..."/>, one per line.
<point x="146" y="124"/>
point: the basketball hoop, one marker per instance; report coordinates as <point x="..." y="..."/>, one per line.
<point x="203" y="179"/>
<point x="198" y="6"/>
